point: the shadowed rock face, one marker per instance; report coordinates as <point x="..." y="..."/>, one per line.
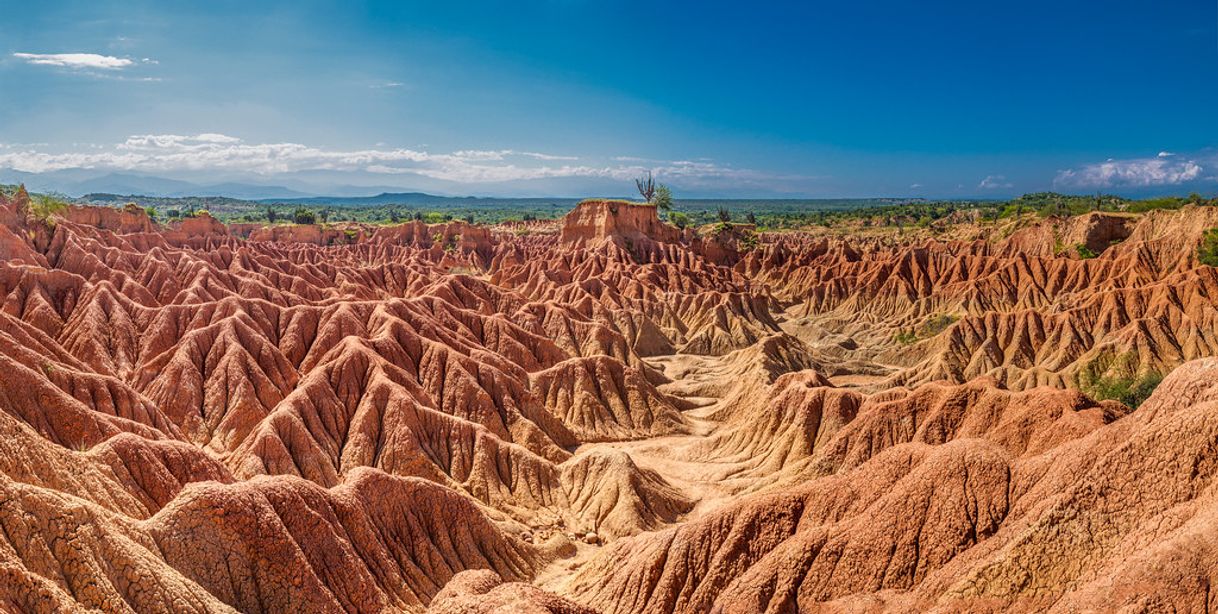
<point x="608" y="415"/>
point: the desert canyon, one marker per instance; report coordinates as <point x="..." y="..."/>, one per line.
<point x="604" y="414"/>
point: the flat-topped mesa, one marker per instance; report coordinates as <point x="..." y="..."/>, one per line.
<point x="599" y="219"/>
<point x="129" y="219"/>
<point x="1095" y="231"/>
<point x="201" y="224"/>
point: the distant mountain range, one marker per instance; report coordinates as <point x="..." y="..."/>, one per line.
<point x="77" y="183"/>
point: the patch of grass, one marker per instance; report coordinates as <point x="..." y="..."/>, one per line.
<point x="931" y="327"/>
<point x="936" y="324"/>
<point x="1207" y="252"/>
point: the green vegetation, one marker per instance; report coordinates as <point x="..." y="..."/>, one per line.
<point x="678" y="219"/>
<point x="44" y="207"/>
<point x="1131" y="391"/>
<point x="1119" y="379"/>
<point x="936" y="324"/>
<point x="931" y="327"/>
<point x="768" y="215"/>
<point x="1207" y="252"/>
<point x="1084" y="252"/>
<point x="663" y="199"/>
<point x="749" y="242"/>
<point x="304" y="216"/>
<point x="657" y="195"/>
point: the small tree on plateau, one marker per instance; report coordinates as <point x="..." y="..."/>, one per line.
<point x="663" y="198"/>
<point x="725" y="216"/>
<point x="304" y="216"/>
<point x="646" y="186"/>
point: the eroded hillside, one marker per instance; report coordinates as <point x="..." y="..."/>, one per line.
<point x="607" y="415"/>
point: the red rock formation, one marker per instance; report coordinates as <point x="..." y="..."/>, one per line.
<point x="613" y="415"/>
<point x="603" y="219"/>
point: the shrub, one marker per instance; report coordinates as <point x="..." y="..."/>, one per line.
<point x="749" y="242"/>
<point x="725" y="216"/>
<point x="663" y="198"/>
<point x="936" y="324"/>
<point x="44" y="207"/>
<point x="1207" y="253"/>
<point x="1130" y="390"/>
<point x="905" y="337"/>
<point x="304" y="216"/>
<point x="1084" y="252"/>
<point x="680" y="220"/>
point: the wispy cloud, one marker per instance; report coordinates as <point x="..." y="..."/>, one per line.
<point x="220" y="152"/>
<point x="387" y="85"/>
<point x="76" y="60"/>
<point x="1165" y="169"/>
<point x="995" y="182"/>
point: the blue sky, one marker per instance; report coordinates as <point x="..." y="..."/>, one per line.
<point x="572" y="97"/>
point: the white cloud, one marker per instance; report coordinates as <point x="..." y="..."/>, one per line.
<point x="915" y="186"/>
<point x="1164" y="169"/>
<point x="387" y="85"/>
<point x="76" y="60"/>
<point x="995" y="182"/>
<point x="220" y="152"/>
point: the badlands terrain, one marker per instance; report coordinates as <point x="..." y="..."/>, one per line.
<point x="607" y="414"/>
